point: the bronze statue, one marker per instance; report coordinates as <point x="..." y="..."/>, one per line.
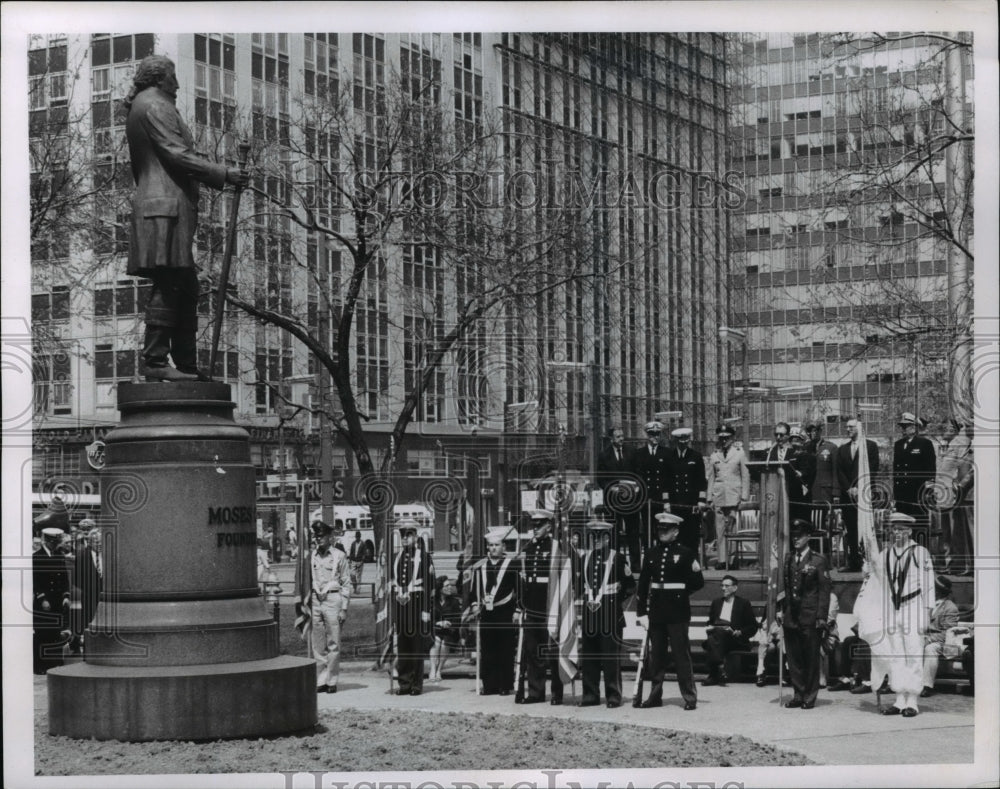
<point x="167" y="169"/>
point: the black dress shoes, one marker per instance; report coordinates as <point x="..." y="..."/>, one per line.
<point x="504" y="693"/>
<point x="808" y="705"/>
<point x="909" y="712"/>
<point x="533" y="700"/>
<point x="614" y="705"/>
<point x="690" y="705"/>
<point x="416" y="692"/>
<point x="711" y="680"/>
<point x="891" y="711"/>
<point x="649" y="703"/>
<point x="839" y="685"/>
<point x="793" y="703"/>
<point x="926" y="692"/>
<point x="556" y="702"/>
<point x="861" y="687"/>
<point x="331" y="688"/>
<point x="761" y="681"/>
<point x="321" y="688"/>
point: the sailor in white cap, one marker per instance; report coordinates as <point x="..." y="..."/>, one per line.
<point x="669" y="575"/>
<point x="50" y="577"/>
<point x="412" y="586"/>
<point x="540" y="653"/>
<point x="604" y="584"/>
<point x="908" y="584"/>
<point x="331" y="580"/>
<point x="687" y="486"/>
<point x="494" y="593"/>
<point x="650" y="466"/>
<point x="914" y="467"/>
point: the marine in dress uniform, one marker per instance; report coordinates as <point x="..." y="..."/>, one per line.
<point x="914" y="466"/>
<point x="620" y="485"/>
<point x="650" y="466"/>
<point x="603" y="584"/>
<point x="669" y="575"/>
<point x="687" y="486"/>
<point x="50" y="579"/>
<point x="412" y="586"/>
<point x="805" y="606"/>
<point x="908" y="584"/>
<point x="494" y="592"/>
<point x="541" y="653"/>
<point x="727" y="480"/>
<point x="331" y="579"/>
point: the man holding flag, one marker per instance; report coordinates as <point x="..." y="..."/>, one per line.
<point x="543" y="588"/>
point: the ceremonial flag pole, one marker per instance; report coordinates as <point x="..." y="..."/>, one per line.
<point x="562" y="607"/>
<point x="303" y="574"/>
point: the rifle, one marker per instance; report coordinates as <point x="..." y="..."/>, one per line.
<point x="519" y="667"/>
<point x="637" y="688"/>
<point x="479" y="658"/>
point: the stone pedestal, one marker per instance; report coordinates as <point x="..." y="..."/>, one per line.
<point x="181" y="646"/>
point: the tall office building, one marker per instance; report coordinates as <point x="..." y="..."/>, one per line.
<point x="633" y="126"/>
<point x="850" y="273"/>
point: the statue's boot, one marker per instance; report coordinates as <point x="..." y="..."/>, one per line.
<point x="184" y="352"/>
<point x="156" y="345"/>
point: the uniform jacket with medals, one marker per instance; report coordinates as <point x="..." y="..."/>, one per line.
<point x="166" y="169"/>
<point x="913" y="465"/>
<point x="806" y="600"/>
<point x="533" y="586"/>
<point x="686" y="480"/>
<point x="494" y="587"/>
<point x="603" y="586"/>
<point x="412" y="588"/>
<point x="672" y="565"/>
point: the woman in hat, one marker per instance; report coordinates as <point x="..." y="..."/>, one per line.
<point x="446" y="613"/>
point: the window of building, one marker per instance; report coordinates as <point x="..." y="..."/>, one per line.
<point x="320" y="58"/>
<point x="125" y="299"/>
<point x="51" y="306"/>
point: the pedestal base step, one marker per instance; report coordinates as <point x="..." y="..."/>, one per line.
<point x="198" y="702"/>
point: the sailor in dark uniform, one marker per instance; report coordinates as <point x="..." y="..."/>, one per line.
<point x="494" y="592"/>
<point x="669" y="575"/>
<point x="604" y="584"/>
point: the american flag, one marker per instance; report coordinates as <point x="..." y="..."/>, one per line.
<point x="562" y="607"/>
<point x="303" y="575"/>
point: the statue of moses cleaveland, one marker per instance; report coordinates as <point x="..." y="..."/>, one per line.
<point x="167" y="169"/>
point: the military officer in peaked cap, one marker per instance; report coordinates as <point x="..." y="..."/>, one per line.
<point x="412" y="585"/>
<point x="804" y="614"/>
<point x="687" y="486"/>
<point x="669" y="575"/>
<point x="50" y="578"/>
<point x="540" y="651"/>
<point x="650" y="466"/>
<point x="914" y="467"/>
<point x="604" y="584"/>
<point x="331" y="579"/>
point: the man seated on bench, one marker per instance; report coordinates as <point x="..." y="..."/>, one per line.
<point x="944" y="616"/>
<point x="731" y="625"/>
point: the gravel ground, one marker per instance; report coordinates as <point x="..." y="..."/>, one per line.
<point x="349" y="740"/>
